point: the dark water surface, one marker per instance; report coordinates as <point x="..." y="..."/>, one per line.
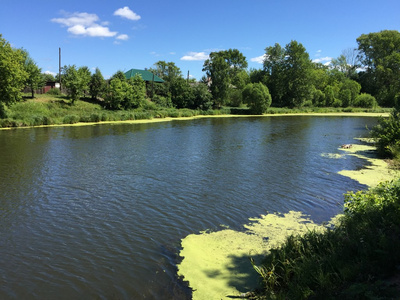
<point x="98" y="212"/>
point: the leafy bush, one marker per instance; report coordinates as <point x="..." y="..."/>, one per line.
<point x="142" y="115"/>
<point x="235" y="97"/>
<point x="70" y="119"/>
<point x="3" y="113"/>
<point x="387" y="134"/>
<point x="54" y="91"/>
<point x="202" y="98"/>
<point x="257" y="96"/>
<point x="366" y="101"/>
<point x="308" y="103"/>
<point x="149" y="105"/>
<point x="318" y="98"/>
<point x="95" y="118"/>
<point x="4" y="123"/>
<point x="162" y="101"/>
<point x="337" y="103"/>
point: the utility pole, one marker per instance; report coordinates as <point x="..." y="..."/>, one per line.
<point x="152" y="88"/>
<point x="59" y="67"/>
<point x="188" y="77"/>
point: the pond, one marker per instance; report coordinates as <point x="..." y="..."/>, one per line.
<point x="98" y="212"/>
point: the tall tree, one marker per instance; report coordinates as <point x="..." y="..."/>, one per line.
<point x="48" y="77"/>
<point x="347" y="63"/>
<point x="85" y="76"/>
<point x="290" y="72"/>
<point x="274" y="69"/>
<point x="222" y="69"/>
<point x="12" y="73"/>
<point x="298" y="69"/>
<point x="70" y="81"/>
<point x="35" y="78"/>
<point x="379" y="52"/>
<point x="97" y="84"/>
<point x="138" y="92"/>
<point x="168" y="72"/>
<point x="181" y="93"/>
<point x="76" y="81"/>
<point x="217" y="70"/>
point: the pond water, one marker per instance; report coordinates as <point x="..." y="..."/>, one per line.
<point x="98" y="212"/>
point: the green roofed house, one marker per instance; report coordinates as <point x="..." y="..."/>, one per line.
<point x="146" y="75"/>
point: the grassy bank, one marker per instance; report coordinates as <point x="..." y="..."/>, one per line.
<point x="57" y="110"/>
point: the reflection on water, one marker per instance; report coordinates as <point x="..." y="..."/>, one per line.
<point x="99" y="211"/>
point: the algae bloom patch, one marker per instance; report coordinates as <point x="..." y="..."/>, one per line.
<point x="217" y="265"/>
<point x="371" y="175"/>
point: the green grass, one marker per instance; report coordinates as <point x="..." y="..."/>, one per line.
<point x="351" y="261"/>
<point x="56" y="110"/>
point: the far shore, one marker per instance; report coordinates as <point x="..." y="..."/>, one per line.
<point x="167" y="119"/>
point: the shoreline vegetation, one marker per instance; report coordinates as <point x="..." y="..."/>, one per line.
<point x="51" y="111"/>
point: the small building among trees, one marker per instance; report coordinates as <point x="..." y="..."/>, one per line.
<point x="147" y="76"/>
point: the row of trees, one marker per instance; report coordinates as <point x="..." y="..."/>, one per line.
<point x="121" y="93"/>
<point x="366" y="76"/>
<point x="293" y="80"/>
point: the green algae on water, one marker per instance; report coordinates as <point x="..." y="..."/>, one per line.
<point x="217" y="265"/>
<point x="373" y="174"/>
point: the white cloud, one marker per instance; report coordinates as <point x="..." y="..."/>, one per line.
<point x="122" y="37"/>
<point x="50" y="72"/>
<point x="259" y="59"/>
<point x="98" y="30"/>
<point x="125" y="12"/>
<point x="323" y="60"/>
<point x="77" y="29"/>
<point x="94" y="31"/>
<point x="77" y="18"/>
<point x="195" y="56"/>
<point x="84" y="24"/>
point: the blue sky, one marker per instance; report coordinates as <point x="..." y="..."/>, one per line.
<point x="120" y="35"/>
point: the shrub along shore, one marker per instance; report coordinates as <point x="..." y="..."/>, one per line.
<point x="47" y="110"/>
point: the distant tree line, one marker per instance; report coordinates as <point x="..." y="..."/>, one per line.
<point x="366" y="76"/>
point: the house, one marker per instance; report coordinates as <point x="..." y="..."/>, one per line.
<point x="47" y="87"/>
<point x="147" y="76"/>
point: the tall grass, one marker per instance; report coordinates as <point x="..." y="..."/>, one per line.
<point x="351" y="261"/>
